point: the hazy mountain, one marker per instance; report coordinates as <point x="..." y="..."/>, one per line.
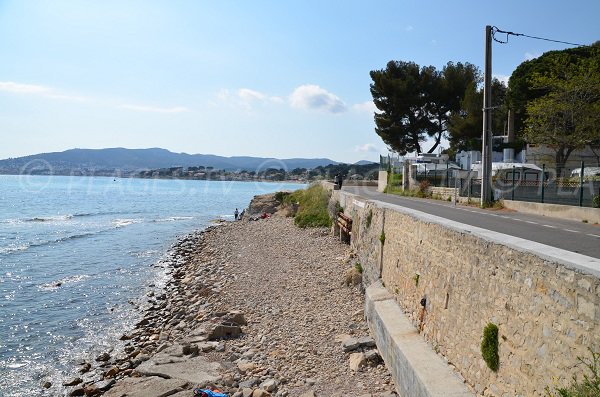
<point x="136" y="159"/>
<point x="365" y="162"/>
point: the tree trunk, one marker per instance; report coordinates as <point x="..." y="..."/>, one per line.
<point x="562" y="155"/>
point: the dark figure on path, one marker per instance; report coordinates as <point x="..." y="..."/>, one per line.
<point x="235" y="214"/>
<point x="340" y="181"/>
<point x="336" y="179"/>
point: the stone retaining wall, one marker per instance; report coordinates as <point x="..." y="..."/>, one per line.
<point x="547" y="309"/>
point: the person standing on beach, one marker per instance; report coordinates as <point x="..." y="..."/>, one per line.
<point x="235" y="214"/>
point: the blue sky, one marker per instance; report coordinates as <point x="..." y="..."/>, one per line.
<point x="259" y="78"/>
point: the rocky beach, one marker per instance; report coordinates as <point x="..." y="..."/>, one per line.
<point x="252" y="308"/>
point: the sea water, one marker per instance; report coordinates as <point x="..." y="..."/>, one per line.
<point x="76" y="253"/>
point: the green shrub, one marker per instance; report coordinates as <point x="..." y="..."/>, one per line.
<point x="382" y="238"/>
<point x="281" y="196"/>
<point x="596" y="201"/>
<point x="489" y="346"/>
<point x="312" y="209"/>
<point x="358" y="267"/>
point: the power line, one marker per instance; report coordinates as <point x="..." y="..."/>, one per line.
<point x="496" y="30"/>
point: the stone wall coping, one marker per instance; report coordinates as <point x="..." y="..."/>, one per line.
<point x="572" y="260"/>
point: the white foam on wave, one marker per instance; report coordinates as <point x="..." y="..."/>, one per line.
<point x="13" y="248"/>
<point x="174" y="218"/>
<point x="118" y="223"/>
<point x="53" y="285"/>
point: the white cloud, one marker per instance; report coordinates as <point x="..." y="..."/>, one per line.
<point x="18" y="88"/>
<point x="529" y="55"/>
<point x="367" y="147"/>
<point x="365" y="107"/>
<point x="408" y="28"/>
<point x="247" y="95"/>
<point x="155" y="109"/>
<point x="34" y="89"/>
<point x="310" y="96"/>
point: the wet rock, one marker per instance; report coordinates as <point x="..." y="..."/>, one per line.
<point x="103" y="357"/>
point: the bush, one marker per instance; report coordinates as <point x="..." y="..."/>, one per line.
<point x="423" y="189"/>
<point x="281" y="196"/>
<point x="588" y="387"/>
<point x="312" y="210"/>
<point x="489" y="346"/>
<point x="358" y="267"/>
<point x="596" y="201"/>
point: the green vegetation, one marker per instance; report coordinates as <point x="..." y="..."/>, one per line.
<point x="358" y="267"/>
<point x="369" y="218"/>
<point x="417" y="102"/>
<point x="556" y="100"/>
<point x="489" y="346"/>
<point x="596" y="201"/>
<point x="394" y="183"/>
<point x="416" y="278"/>
<point x="281" y="196"/>
<point x="312" y="206"/>
<point x="382" y="238"/>
<point x="588" y="387"/>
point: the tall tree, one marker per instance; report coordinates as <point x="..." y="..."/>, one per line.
<point x="446" y="95"/>
<point x="466" y="125"/>
<point x="396" y="92"/>
<point x="567" y="116"/>
<point x="416" y="103"/>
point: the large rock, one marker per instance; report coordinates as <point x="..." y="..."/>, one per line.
<point x="146" y="387"/>
<point x="194" y="369"/>
<point x="261" y="204"/>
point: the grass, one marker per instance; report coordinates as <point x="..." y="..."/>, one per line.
<point x="312" y="206"/>
<point x="358" y="267"/>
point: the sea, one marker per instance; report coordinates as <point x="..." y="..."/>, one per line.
<point x="78" y="254"/>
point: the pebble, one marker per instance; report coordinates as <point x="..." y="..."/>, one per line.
<point x="273" y="298"/>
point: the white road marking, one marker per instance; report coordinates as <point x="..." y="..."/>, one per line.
<point x="550" y="226"/>
<point x="594" y="235"/>
<point x="572" y="231"/>
<point x="533" y="223"/>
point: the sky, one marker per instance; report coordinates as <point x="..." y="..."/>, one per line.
<point x="260" y="78"/>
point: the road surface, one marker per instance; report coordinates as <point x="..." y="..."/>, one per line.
<point x="569" y="235"/>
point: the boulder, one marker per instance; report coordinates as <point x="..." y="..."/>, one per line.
<point x="146" y="387"/>
<point x="72" y="382"/>
<point x="196" y="370"/>
<point x="261" y="204"/>
<point x="225" y="330"/>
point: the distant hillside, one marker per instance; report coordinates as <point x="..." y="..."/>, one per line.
<point x="136" y="159"/>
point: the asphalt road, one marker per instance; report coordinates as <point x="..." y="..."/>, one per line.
<point x="574" y="236"/>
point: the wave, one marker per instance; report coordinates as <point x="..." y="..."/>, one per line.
<point x="15" y="248"/>
<point x="62" y="218"/>
<point x="66" y="280"/>
<point x="173" y="219"/>
<point x="117" y="224"/>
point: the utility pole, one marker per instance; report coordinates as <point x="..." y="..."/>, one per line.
<point x="486" y="150"/>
